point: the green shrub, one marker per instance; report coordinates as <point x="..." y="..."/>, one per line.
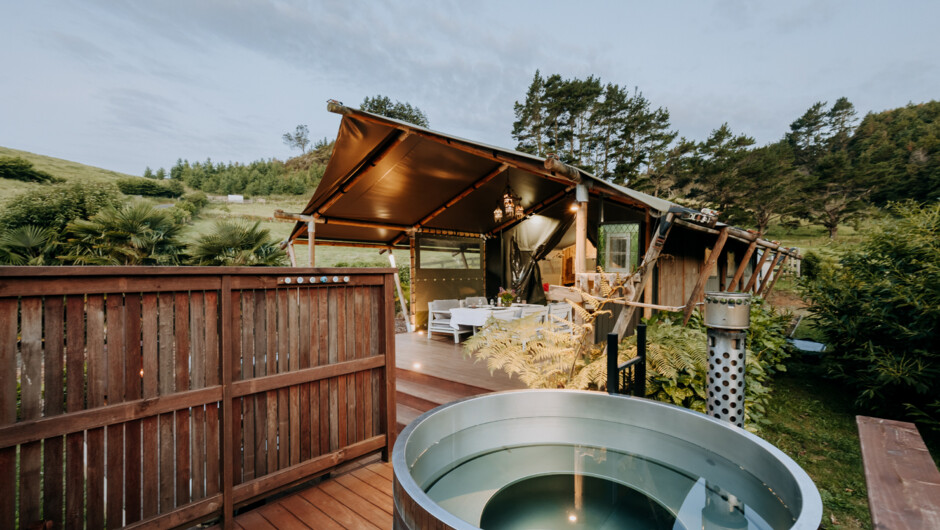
<point x="189" y="206"/>
<point x="132" y="234"/>
<point x="16" y="168"/>
<point x="150" y="188"/>
<point x="236" y="243"/>
<point x="879" y="309"/>
<point x="56" y="206"/>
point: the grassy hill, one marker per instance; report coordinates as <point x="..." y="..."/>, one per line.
<point x="58" y="167"/>
<point x="257" y="209"/>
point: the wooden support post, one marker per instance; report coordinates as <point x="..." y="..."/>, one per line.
<point x="648" y="291"/>
<point x="722" y="271"/>
<point x="645" y="272"/>
<point x="760" y="264"/>
<point x="291" y="255"/>
<point x="229" y="430"/>
<point x="311" y="231"/>
<point x="772" y="276"/>
<point x="401" y="296"/>
<point x="580" y="242"/>
<point x="699" y="290"/>
<point x="742" y="264"/>
<point x="414" y="296"/>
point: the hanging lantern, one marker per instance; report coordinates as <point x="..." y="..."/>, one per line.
<point x="520" y="212"/>
<point x="508" y="206"/>
<point x="497" y="215"/>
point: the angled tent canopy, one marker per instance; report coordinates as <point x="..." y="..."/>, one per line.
<point x="388" y="179"/>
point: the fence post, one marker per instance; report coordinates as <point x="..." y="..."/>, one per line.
<point x="613" y="379"/>
<point x="227" y="432"/>
<point x="639" y="374"/>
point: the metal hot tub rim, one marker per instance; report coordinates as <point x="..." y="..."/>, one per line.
<point x="663" y="418"/>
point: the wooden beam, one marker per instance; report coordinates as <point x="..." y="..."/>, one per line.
<point x="645" y="271"/>
<point x="457" y="198"/>
<point x="648" y="291"/>
<point x="290" y="254"/>
<point x="353" y="244"/>
<point x="355" y="176"/>
<point x="742" y="264"/>
<point x="288" y="216"/>
<point x="463" y="194"/>
<point x="779" y="260"/>
<point x="699" y="290"/>
<point x="560" y="168"/>
<point x="760" y="264"/>
<point x="774" y="282"/>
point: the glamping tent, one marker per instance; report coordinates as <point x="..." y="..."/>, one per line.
<point x="477" y="217"/>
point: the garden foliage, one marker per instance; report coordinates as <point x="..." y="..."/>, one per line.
<point x="150" y="188"/>
<point x="236" y="243"/>
<point x="543" y="356"/>
<point x="16" y="168"/>
<point x="879" y="309"/>
<point x="133" y="234"/>
<point x="56" y="206"/>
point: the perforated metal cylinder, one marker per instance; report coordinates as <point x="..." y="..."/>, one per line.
<point x="726" y="349"/>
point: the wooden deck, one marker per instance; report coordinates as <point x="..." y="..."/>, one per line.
<point x="443" y="359"/>
<point x="430" y="373"/>
<point x="361" y="498"/>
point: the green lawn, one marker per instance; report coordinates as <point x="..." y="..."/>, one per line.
<point x="812" y="420"/>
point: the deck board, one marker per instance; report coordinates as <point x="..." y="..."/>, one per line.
<point x="444" y="359"/>
<point x="358" y="498"/>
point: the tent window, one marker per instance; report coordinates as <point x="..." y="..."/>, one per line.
<point x="448" y="254"/>
<point x="620" y="247"/>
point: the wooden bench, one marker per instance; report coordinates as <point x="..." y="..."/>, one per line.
<point x="903" y="481"/>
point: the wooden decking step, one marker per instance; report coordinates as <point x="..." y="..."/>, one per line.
<point x="423" y="396"/>
<point x="455" y="387"/>
<point x="405" y="415"/>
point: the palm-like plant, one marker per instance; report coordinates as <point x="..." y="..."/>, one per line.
<point x="135" y="234"/>
<point x="233" y="243"/>
<point x="28" y="245"/>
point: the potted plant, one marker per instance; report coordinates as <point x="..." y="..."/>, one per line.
<point x="506" y="296"/>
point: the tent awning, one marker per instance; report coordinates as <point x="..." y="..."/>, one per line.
<point x="388" y="179"/>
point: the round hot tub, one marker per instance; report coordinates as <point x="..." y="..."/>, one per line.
<point x="571" y="459"/>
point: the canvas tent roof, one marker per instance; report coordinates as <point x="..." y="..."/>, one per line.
<point x="387" y="177"/>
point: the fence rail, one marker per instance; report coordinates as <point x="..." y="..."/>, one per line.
<point x="165" y="396"/>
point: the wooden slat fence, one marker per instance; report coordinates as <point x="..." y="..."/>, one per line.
<point x="166" y="396"/>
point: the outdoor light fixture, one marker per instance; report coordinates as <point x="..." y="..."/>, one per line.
<point x="508" y="204"/>
<point x="510" y="208"/>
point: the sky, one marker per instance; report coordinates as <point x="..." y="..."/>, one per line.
<point x="131" y="84"/>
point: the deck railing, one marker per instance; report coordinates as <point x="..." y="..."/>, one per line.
<point x="171" y="395"/>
